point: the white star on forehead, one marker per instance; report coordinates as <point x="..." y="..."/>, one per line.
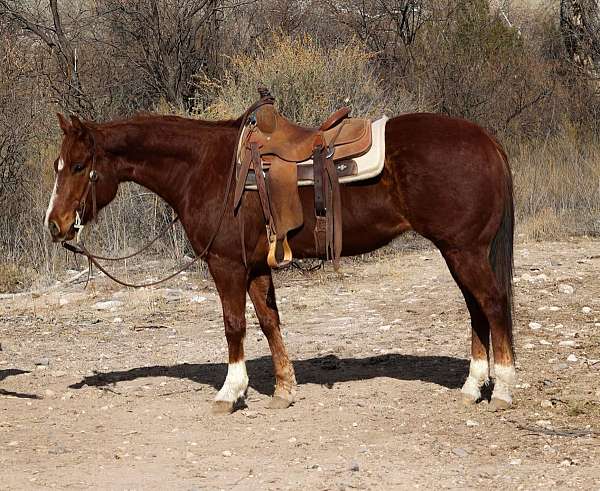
<point x="61" y="164"/>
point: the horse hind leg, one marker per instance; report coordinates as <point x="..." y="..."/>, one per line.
<point x="479" y="368"/>
<point x="473" y="271"/>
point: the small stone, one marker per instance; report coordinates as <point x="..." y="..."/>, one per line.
<point x="470" y="422"/>
<point x="108" y="305"/>
<point x="544" y="423"/>
<point x="58" y="373"/>
<point x="384" y="328"/>
<point x="292" y="440"/>
<point x="42" y="362"/>
<point x="540" y="278"/>
<point x="461" y="452"/>
<point x="545" y="343"/>
<point x="569" y="342"/>
<point x="49" y="393"/>
<point x="197" y="299"/>
<point x="572" y="358"/>
<point x="63" y="301"/>
<point x="117" y="320"/>
<point x="516" y="462"/>
<point x="586" y="310"/>
<point x="546" y="403"/>
<point x="67" y="396"/>
<point x="553" y="308"/>
<point x="355" y="467"/>
<point x="14" y="443"/>
<point x="566" y="289"/>
<point x="529" y="346"/>
<point x="535" y="326"/>
<point x="227" y="453"/>
<point x="566" y="463"/>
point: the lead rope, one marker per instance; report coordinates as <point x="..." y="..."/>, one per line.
<point x="93" y="259"/>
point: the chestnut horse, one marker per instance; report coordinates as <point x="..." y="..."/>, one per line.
<point x="444" y="178"/>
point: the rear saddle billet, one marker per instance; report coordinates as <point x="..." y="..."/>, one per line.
<point x="270" y="150"/>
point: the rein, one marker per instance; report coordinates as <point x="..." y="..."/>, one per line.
<point x="79" y="247"/>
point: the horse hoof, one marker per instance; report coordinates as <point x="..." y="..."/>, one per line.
<point x="498" y="404"/>
<point x="278" y="402"/>
<point x="469" y="400"/>
<point x="222" y="407"/>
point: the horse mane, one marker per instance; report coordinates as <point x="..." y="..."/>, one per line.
<point x="144" y="117"/>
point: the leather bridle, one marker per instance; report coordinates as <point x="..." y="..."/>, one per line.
<point x="93" y="178"/>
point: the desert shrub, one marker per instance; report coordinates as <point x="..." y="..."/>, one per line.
<point x="14" y="278"/>
<point x="308" y="80"/>
<point x="470" y="63"/>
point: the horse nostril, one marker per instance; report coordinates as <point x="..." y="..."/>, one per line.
<point x="54" y="228"/>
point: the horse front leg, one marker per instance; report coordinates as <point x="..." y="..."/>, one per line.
<point x="230" y="280"/>
<point x="262" y="294"/>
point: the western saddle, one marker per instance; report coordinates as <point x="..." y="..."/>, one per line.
<point x="276" y="154"/>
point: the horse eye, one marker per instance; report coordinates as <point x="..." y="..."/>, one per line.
<point x="77" y="168"/>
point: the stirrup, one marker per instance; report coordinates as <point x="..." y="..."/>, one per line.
<point x="280" y="252"/>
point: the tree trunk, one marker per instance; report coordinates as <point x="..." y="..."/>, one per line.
<point x="580" y="25"/>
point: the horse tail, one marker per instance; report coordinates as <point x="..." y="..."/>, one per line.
<point x="501" y="250"/>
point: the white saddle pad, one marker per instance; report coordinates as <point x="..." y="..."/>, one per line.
<point x="368" y="165"/>
<point x="371" y="163"/>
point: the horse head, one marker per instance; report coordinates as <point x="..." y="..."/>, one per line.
<point x="85" y="179"/>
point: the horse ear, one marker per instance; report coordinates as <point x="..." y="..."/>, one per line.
<point x="78" y="126"/>
<point x="64" y="124"/>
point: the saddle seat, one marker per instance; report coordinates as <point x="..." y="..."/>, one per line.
<point x="279" y="137"/>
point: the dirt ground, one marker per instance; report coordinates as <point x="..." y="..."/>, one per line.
<point x="118" y="395"/>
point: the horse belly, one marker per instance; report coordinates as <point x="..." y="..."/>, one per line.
<point x="371" y="218"/>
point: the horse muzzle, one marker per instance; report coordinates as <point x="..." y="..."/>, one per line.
<point x="61" y="234"/>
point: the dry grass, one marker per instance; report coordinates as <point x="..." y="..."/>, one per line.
<point x="557" y="186"/>
<point x="14" y="278"/>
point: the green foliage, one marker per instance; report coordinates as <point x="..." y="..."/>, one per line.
<point x="473" y="65"/>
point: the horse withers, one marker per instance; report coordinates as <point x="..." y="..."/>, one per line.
<point x="444" y="178"/>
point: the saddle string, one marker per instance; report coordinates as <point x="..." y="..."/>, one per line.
<point x="93" y="178"/>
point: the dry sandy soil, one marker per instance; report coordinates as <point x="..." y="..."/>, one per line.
<point x="120" y="397"/>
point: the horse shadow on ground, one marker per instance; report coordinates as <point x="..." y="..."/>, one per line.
<point x="10" y="373"/>
<point x="327" y="371"/>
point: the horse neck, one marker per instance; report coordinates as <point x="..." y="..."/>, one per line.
<point x="165" y="154"/>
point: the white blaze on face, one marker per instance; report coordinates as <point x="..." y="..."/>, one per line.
<point x="60" y="166"/>
<point x="51" y="205"/>
<point x="235" y="384"/>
